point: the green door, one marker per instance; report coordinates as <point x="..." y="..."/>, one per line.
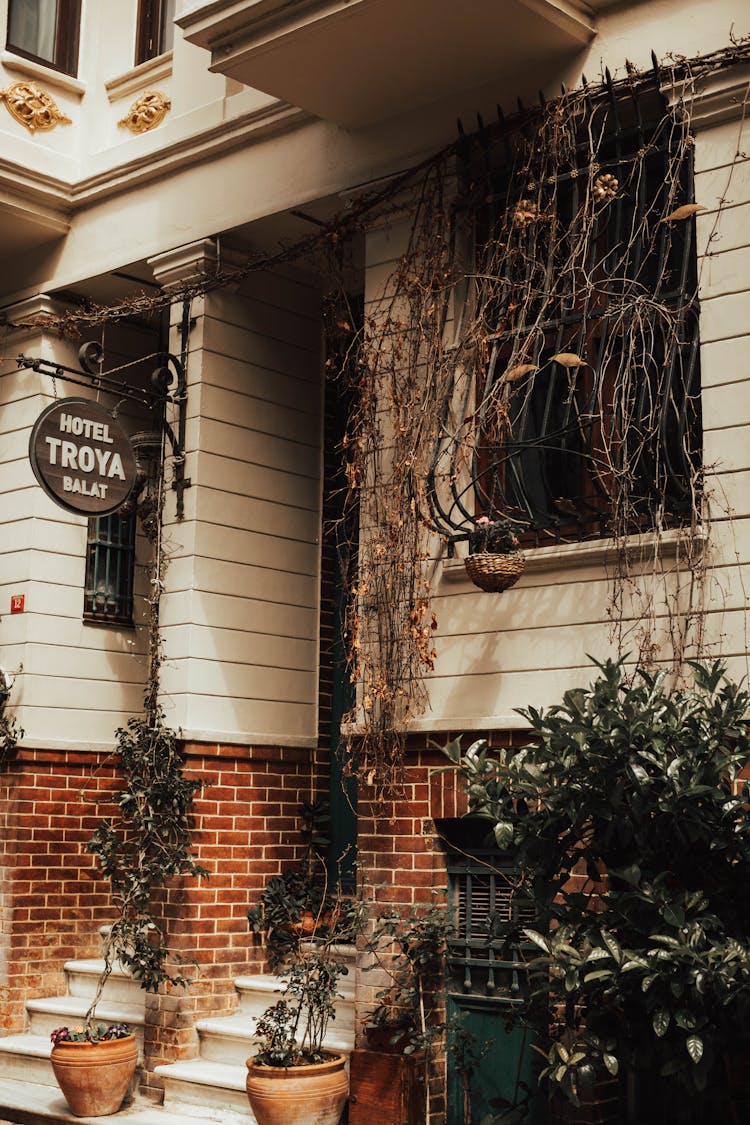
<point x="505" y="1075"/>
<point x="492" y="1066"/>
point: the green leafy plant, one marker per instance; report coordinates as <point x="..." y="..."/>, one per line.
<point x="299" y="903"/>
<point x="146" y="845"/>
<point x="413" y="948"/>
<point x="499" y="536"/>
<point x="292" y="1031"/>
<point x="96" y="1033"/>
<point x="629" y="820"/>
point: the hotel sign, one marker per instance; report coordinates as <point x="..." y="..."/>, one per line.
<point x="82" y="457"/>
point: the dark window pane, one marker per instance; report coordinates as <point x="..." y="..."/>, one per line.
<point x="155" y="32"/>
<point x="109" y="569"/>
<point x="46" y="30"/>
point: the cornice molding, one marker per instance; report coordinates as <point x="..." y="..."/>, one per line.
<point x="717" y="98"/>
<point x="134" y="81"/>
<point x="224" y="137"/>
<point x="43" y="74"/>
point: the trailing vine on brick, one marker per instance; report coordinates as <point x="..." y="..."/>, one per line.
<point x="148" y="841"/>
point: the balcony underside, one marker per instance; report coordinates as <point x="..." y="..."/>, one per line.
<point x="356" y="62"/>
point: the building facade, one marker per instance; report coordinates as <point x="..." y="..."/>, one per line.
<point x="174" y="177"/>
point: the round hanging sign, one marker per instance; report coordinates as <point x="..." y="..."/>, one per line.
<point x="82" y="457"/>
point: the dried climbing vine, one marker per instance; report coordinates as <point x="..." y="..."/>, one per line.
<point x="426" y="373"/>
<point x="149" y="841"/>
<point x="432" y="386"/>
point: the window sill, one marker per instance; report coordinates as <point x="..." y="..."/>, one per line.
<point x="135" y="80"/>
<point x="41" y="73"/>
<point x="109" y="622"/>
<point x="594" y="552"/>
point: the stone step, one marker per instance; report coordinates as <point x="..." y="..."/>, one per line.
<point x="26" y="1057"/>
<point x="260" y="991"/>
<point x="32" y="1103"/>
<point x="227" y="1039"/>
<point x="120" y="987"/>
<point x="47" y="1013"/>
<point x="195" y="1087"/>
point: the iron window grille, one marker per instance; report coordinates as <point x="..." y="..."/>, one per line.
<point x="155" y="29"/>
<point x="485" y="951"/>
<point x="555" y="466"/>
<point x="110" y="566"/>
<point x="46" y="31"/>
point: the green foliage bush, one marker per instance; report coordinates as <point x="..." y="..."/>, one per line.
<point x="637" y="789"/>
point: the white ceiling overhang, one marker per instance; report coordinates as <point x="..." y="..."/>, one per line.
<point x="357" y="62"/>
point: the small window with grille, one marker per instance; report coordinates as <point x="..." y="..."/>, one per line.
<point x="489" y="912"/>
<point x="110" y="564"/>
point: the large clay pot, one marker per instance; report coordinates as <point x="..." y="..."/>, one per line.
<point x="298" y="1095"/>
<point x="94" y="1077"/>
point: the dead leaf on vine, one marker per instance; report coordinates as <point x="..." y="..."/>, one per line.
<point x="569" y="359"/>
<point x="683" y="212"/>
<point x="513" y="374"/>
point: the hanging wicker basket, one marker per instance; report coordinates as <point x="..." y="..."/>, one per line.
<point x="494" y="572"/>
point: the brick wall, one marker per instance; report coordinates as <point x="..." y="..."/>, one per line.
<point x="52" y="903"/>
<point x="247" y="829"/>
<point x="401" y="857"/>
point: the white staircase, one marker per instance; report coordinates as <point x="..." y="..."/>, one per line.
<point x="208" y="1088"/>
<point x="27" y="1055"/>
<point x="195" y="1086"/>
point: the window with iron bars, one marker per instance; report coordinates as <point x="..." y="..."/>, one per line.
<point x="585" y="421"/>
<point x="488" y="911"/>
<point x="110" y="565"/>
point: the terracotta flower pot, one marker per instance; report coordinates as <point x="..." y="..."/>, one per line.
<point x="94" y="1077"/>
<point x="298" y="1095"/>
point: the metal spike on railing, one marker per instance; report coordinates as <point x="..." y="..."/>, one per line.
<point x="521" y="107"/>
<point x="655" y="63"/>
<point x="500" y="114"/>
<point x="542" y="99"/>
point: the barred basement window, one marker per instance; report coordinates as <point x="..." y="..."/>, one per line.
<point x="46" y="31"/>
<point x="488" y="914"/>
<point x="584" y="418"/>
<point x="110" y="565"/>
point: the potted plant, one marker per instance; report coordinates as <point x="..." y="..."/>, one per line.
<point x="139" y="850"/>
<point x="293" y="1079"/>
<point x="94" y="1066"/>
<point x="391" y="1076"/>
<point x="495" y="561"/>
<point x="299" y="902"/>
<point x="630" y="823"/>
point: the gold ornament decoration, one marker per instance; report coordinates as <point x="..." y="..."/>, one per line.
<point x="524" y="213"/>
<point x="605" y="188"/>
<point x="146" y="112"/>
<point x="32" y="107"/>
